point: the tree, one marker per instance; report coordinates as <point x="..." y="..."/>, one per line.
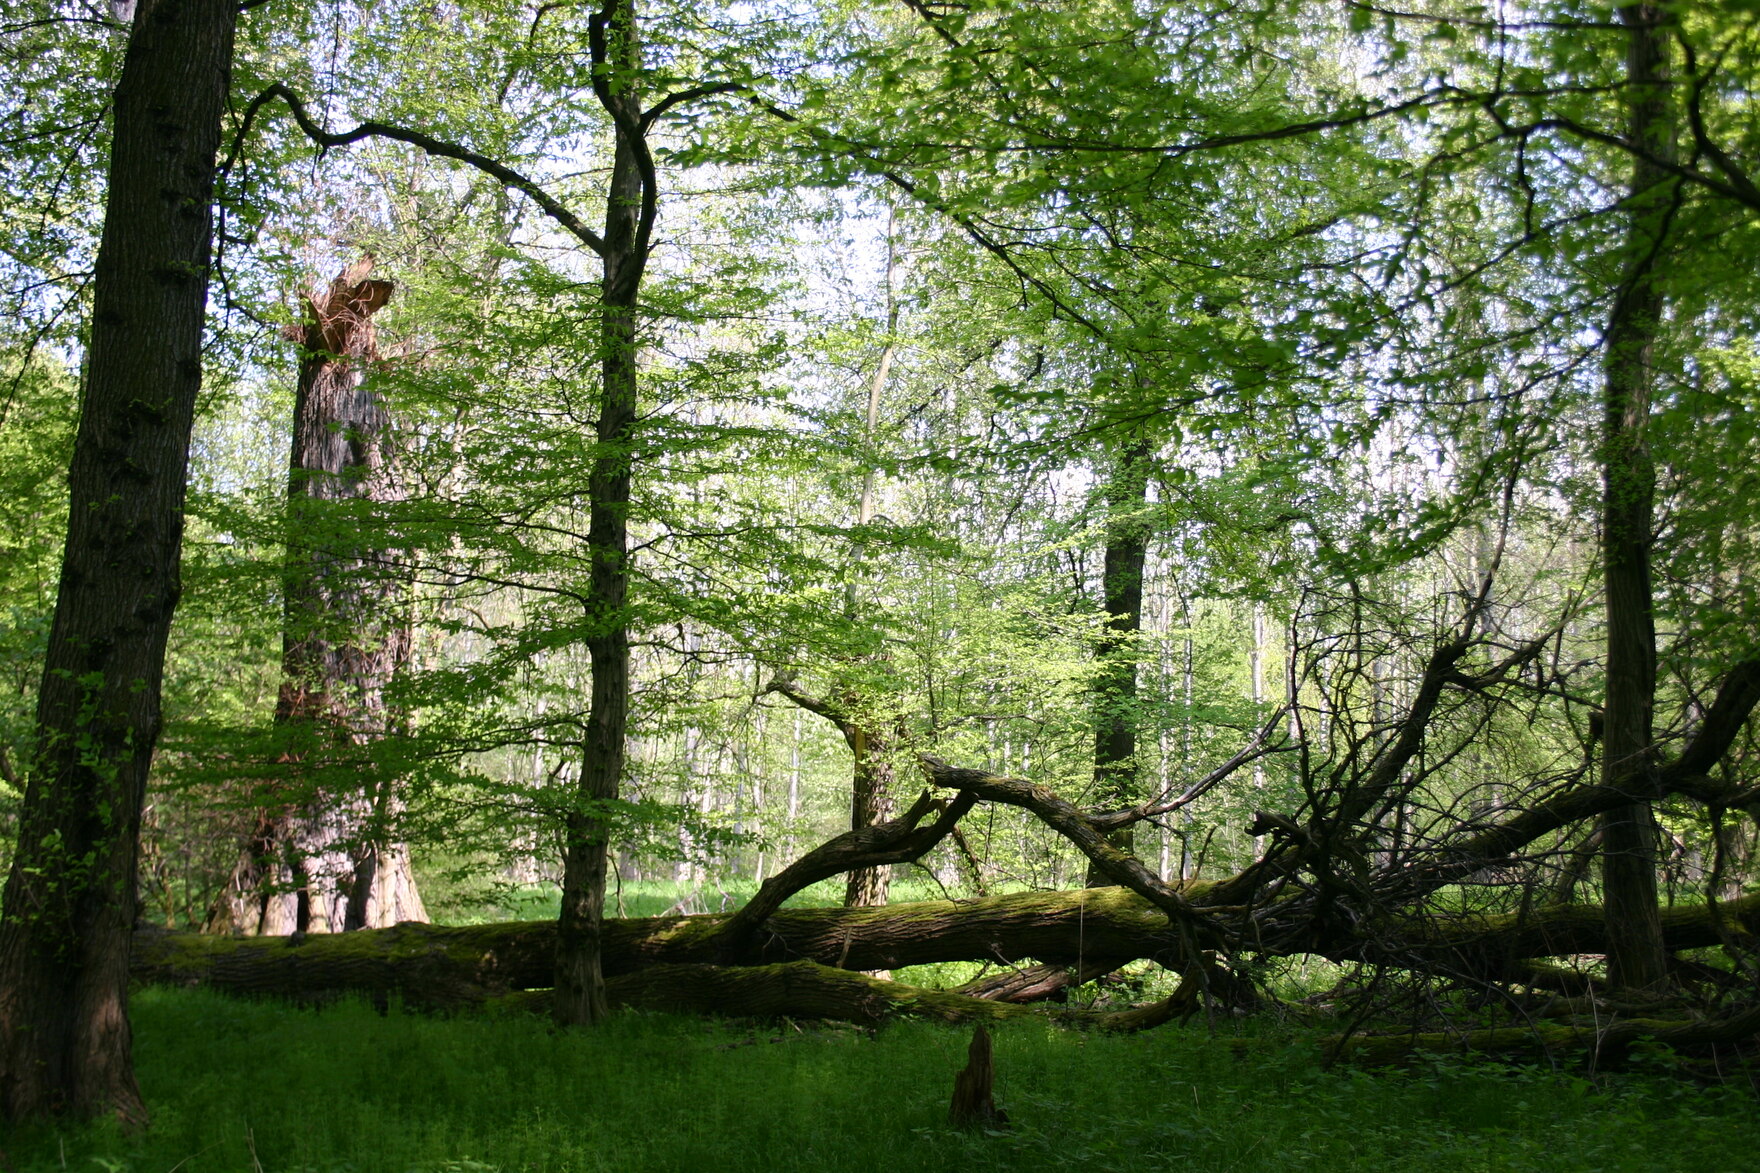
<point x="70" y="896"/>
<point x="1126" y="493"/>
<point x="326" y="858"/>
<point x="1382" y="403"/>
<point x="1629" y="835"/>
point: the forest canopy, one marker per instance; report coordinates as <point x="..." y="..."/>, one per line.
<point x="1276" y="479"/>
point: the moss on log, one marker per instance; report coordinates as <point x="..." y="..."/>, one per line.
<point x="439" y="966"/>
<point x="798" y="989"/>
<point x="1608" y="1041"/>
<point x="1561" y="930"/>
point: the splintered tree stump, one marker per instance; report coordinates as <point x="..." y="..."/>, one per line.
<point x="973" y="1104"/>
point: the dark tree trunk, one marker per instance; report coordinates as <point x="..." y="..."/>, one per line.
<point x="70" y="898"/>
<point x="327" y="860"/>
<point x="871" y="803"/>
<point x="630" y="206"/>
<point x="974" y="1103"/>
<point x="1116" y="783"/>
<point x="1629" y="834"/>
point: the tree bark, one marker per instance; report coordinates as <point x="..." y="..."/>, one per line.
<point x="444" y="966"/>
<point x="70" y="897"/>
<point x="629" y="219"/>
<point x="327" y="860"/>
<point x="1116" y="783"/>
<point x="1629" y="834"/>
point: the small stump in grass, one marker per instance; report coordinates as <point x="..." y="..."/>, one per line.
<point x="973" y="1105"/>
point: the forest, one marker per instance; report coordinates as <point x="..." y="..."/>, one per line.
<point x="1075" y="514"/>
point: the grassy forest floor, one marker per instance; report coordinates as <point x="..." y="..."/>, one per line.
<point x="253" y="1086"/>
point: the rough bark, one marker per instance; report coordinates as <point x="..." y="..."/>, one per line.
<point x="797" y="989"/>
<point x="1044" y="982"/>
<point x="70" y="897"/>
<point x="872" y="782"/>
<point x="1629" y="833"/>
<point x="974" y="1101"/>
<point x="326" y="860"/>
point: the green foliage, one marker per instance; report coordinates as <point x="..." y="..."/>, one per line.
<point x="346" y="1089"/>
<point x="36" y="440"/>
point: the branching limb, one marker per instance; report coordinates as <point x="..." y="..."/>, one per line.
<point x="898" y="841"/>
<point x="1118" y="866"/>
<point x="428" y="144"/>
<point x="1262" y="744"/>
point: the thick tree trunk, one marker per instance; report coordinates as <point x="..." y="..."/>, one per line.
<point x="1116" y="783"/>
<point x="871" y="803"/>
<point x="327" y="860"/>
<point x="1088" y="929"/>
<point x="1629" y="834"/>
<point x="70" y="898"/>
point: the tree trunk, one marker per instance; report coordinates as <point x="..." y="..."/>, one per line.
<point x="70" y="898"/>
<point x="444" y="966"/>
<point x="871" y="803"/>
<point x="629" y="218"/>
<point x="871" y="772"/>
<point x="327" y="860"/>
<point x="1116" y="783"/>
<point x="1629" y="835"/>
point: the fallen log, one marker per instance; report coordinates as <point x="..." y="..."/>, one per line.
<point x="440" y="966"/>
<point x="806" y="989"/>
<point x="1607" y="1041"/>
<point x="1494" y="943"/>
<point x="799" y="989"/>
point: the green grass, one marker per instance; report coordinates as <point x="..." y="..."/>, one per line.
<point x="240" y="1086"/>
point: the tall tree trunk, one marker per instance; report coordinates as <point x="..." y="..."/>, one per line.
<point x="1115" y="687"/>
<point x="70" y="897"/>
<point x="629" y="217"/>
<point x="871" y="772"/>
<point x="327" y="861"/>
<point x="1629" y="835"/>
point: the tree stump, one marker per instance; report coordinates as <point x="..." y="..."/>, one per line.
<point x="973" y="1105"/>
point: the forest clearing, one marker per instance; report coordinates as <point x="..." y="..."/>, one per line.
<point x="1209" y="549"/>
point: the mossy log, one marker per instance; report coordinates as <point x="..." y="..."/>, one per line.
<point x="808" y="990"/>
<point x="439" y="966"/>
<point x="1502" y="939"/>
<point x="797" y="989"/>
<point x="1608" y="1041"/>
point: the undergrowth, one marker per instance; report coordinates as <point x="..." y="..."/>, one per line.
<point x="246" y="1086"/>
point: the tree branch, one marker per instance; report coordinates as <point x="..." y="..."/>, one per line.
<point x="423" y="142"/>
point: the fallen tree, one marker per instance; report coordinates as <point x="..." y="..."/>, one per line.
<point x="435" y="965"/>
<point x="1347" y="877"/>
